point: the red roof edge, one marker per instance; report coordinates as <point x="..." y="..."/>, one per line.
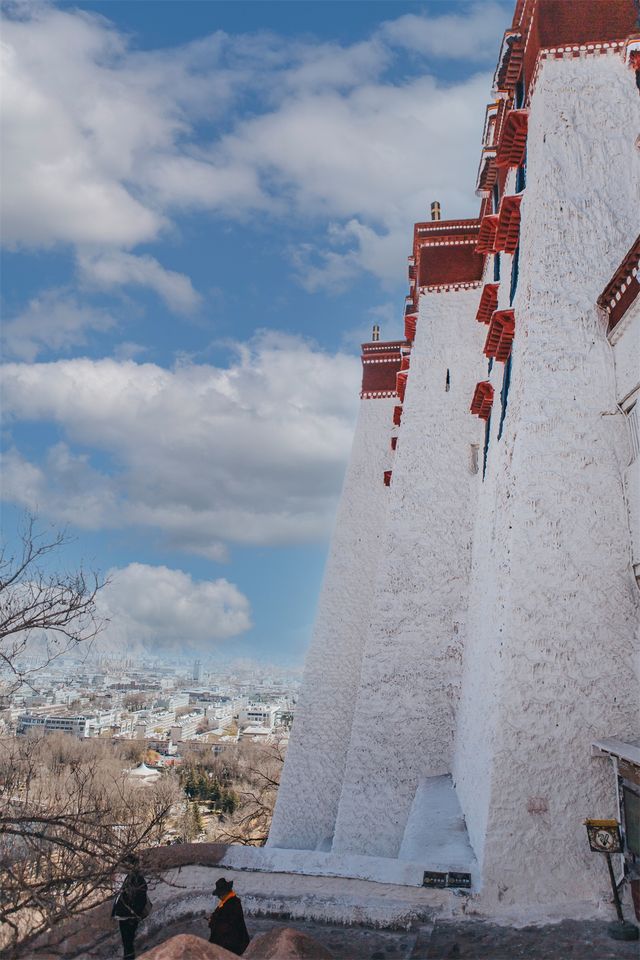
<point x="623" y="287"/>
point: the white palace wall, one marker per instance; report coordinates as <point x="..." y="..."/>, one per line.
<point x="308" y="796"/>
<point x="549" y="664"/>
<point x="406" y="708"/>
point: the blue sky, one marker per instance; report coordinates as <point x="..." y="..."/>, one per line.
<point x="205" y="208"/>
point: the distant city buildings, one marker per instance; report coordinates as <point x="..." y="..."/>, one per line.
<point x="154" y="703"/>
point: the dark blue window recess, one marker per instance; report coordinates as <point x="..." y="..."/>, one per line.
<point x="485" y="449"/>
<point x="514" y="274"/>
<point x="504" y="394"/>
<point x="490" y="366"/>
<point x="496" y="266"/>
<point x="496" y="197"/>
<point x="519" y="93"/>
<point x="521" y="176"/>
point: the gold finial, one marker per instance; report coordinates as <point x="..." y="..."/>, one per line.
<point x="376" y="333"/>
<point x="435" y="210"/>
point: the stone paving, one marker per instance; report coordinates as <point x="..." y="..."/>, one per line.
<point x="445" y="940"/>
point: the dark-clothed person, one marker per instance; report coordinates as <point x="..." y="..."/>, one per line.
<point x="226" y="923"/>
<point x="129" y="906"/>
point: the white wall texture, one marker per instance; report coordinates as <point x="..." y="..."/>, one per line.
<point x="549" y="665"/>
<point x="312" y="778"/>
<point x="406" y="708"/>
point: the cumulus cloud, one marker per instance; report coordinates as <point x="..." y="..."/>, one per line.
<point x="107" y="270"/>
<point x="105" y="145"/>
<point x="474" y="32"/>
<point x="252" y="452"/>
<point x="158" y="609"/>
<point x="54" y="320"/>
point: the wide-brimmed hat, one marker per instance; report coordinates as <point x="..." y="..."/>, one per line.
<point x="223" y="886"/>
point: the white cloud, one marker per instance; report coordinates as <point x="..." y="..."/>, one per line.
<point x="54" y="320"/>
<point x="107" y="270"/>
<point x="250" y="453"/>
<point x="474" y="33"/>
<point x="158" y="609"/>
<point x="63" y="486"/>
<point x="104" y="145"/>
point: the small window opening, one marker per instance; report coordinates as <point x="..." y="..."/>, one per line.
<point x="447" y="383"/>
<point x="474" y="458"/>
<point x="485" y="451"/>
<point x="504" y="394"/>
<point x="515" y="265"/>
<point x="496" y="267"/>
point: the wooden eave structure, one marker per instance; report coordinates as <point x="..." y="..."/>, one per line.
<point x="487" y="234"/>
<point x="513" y="139"/>
<point x="397" y="415"/>
<point x="401" y="384"/>
<point x="509" y="61"/>
<point x="508" y="226"/>
<point x="482" y="400"/>
<point x="500" y="335"/>
<point x="487" y="172"/>
<point x="488" y="302"/>
<point x="410" y="325"/>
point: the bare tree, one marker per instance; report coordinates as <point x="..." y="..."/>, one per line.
<point x="68" y="816"/>
<point x="43" y="614"/>
<point x="257" y="789"/>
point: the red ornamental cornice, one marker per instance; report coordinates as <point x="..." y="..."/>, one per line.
<point x="500" y="335"/>
<point x="513" y="140"/>
<point x="508" y="226"/>
<point x="623" y="288"/>
<point x="487" y="235"/>
<point x="482" y="400"/>
<point x="488" y="302"/>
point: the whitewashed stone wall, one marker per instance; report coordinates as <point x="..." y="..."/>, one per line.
<point x="312" y="778"/>
<point x="549" y="665"/>
<point x="406" y="709"/>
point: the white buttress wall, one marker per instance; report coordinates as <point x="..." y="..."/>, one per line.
<point x="554" y="606"/>
<point x="406" y="708"/>
<point x="308" y="796"/>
